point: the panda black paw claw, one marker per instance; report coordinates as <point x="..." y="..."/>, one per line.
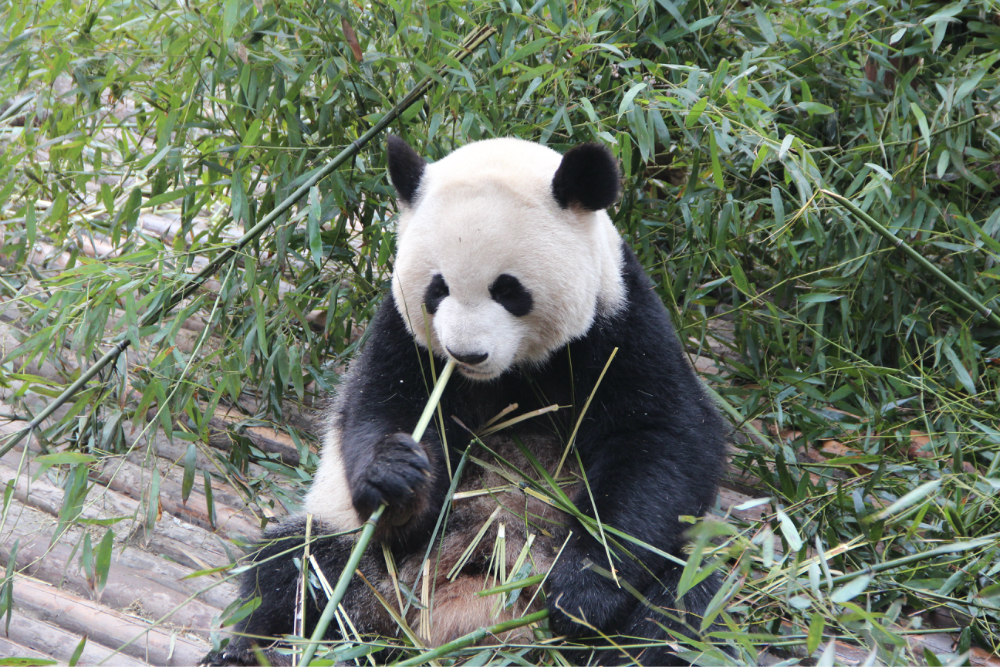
<point x="398" y="477"/>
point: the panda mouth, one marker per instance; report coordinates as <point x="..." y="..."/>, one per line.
<point x="474" y="373"/>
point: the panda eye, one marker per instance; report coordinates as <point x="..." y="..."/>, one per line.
<point x="435" y="294"/>
<point x="510" y="293"/>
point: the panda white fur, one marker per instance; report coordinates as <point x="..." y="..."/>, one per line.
<point x="506" y="245"/>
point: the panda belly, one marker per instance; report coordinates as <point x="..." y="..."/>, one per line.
<point x="465" y="560"/>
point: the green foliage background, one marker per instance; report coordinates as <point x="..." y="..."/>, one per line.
<point x="729" y="119"/>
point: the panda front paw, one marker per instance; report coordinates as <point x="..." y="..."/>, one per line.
<point x="399" y="477"/>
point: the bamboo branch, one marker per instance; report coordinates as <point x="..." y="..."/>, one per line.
<point x="872" y="223"/>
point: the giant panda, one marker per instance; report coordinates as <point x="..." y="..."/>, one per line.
<point x="508" y="263"/>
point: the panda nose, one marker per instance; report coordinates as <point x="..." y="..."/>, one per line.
<point x="470" y="359"/>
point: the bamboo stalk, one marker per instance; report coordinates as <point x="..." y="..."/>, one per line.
<point x="369" y="528"/>
<point x="473" y="637"/>
<point x="872" y="223"/>
<point x="196" y="281"/>
<point x="513" y="585"/>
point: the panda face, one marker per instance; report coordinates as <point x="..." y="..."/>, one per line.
<point x="504" y="272"/>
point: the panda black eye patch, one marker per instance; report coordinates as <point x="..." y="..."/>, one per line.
<point x="510" y="293"/>
<point x="435" y="294"/>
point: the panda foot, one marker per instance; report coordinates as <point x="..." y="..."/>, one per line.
<point x="244" y="658"/>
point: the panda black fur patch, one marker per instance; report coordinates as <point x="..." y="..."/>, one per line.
<point x="588" y="176"/>
<point x="510" y="293"/>
<point x="406" y="168"/>
<point x="435" y="294"/>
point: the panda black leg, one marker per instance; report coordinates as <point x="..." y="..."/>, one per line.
<point x="643" y="624"/>
<point x="276" y="580"/>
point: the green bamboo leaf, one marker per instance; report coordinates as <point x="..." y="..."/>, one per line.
<point x="816" y="108"/>
<point x="102" y="565"/>
<point x="922" y="122"/>
<point x="940" y="29"/>
<point x="944" y="159"/>
<point x="789" y="530"/>
<point x="778" y="205"/>
<point x="703" y="23"/>
<point x="674" y="12"/>
<point x="313" y="227"/>
<point x="628" y="101"/>
<point x="960" y="371"/>
<point x="87" y="558"/>
<point x="153" y="502"/>
<point x="77" y="652"/>
<point x="528" y="49"/>
<point x="535" y="83"/>
<point x="230" y="14"/>
<point x="816" y="625"/>
<point x="716" y="165"/>
<point x="786" y="144"/>
<point x="819" y="297"/>
<point x="64" y="458"/>
<point x="718" y="78"/>
<point x="8" y="492"/>
<point x="851" y="589"/>
<point x="990" y="592"/>
<point x="914" y="496"/>
<point x="765" y="26"/>
<point x="164" y="198"/>
<point x="762" y="152"/>
<point x="209" y="501"/>
<point x="190" y="459"/>
<point x="695" y="113"/>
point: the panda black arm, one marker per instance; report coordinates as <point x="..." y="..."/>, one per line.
<point x="641" y="497"/>
<point x="382" y="401"/>
<point x="652" y="448"/>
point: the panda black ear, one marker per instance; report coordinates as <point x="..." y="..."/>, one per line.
<point x="406" y="168"/>
<point x="588" y="176"/>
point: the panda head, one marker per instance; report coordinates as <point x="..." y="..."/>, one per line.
<point x="507" y="247"/>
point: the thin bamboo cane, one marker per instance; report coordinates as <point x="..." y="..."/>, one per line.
<point x="875" y="225"/>
<point x="473" y="637"/>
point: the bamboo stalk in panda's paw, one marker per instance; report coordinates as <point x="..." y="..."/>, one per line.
<point x="369" y="528"/>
